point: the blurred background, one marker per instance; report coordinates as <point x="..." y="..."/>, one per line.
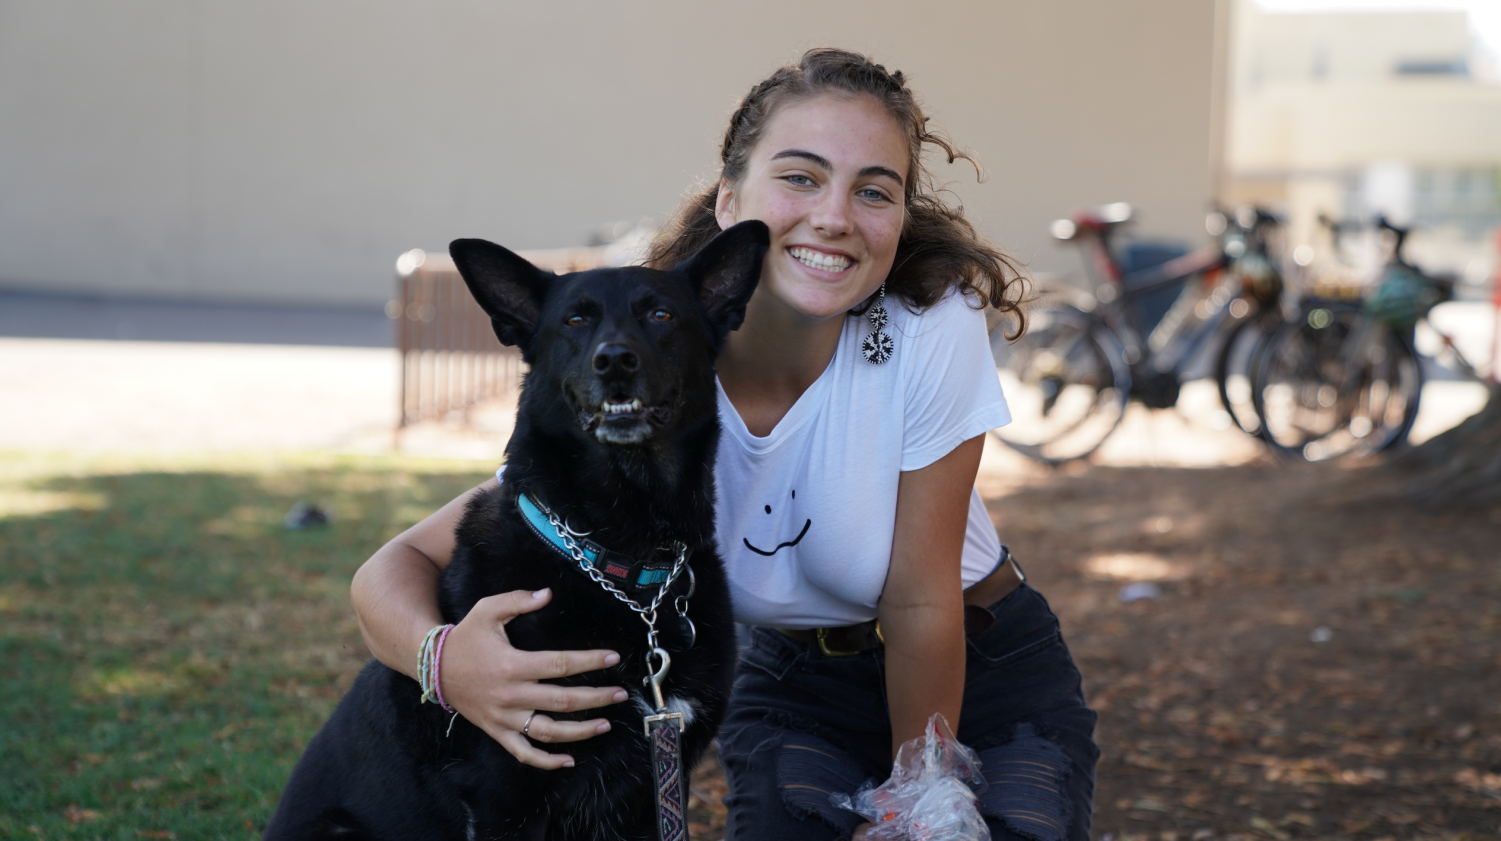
<point x="171" y="171"/>
<point x="223" y="231"/>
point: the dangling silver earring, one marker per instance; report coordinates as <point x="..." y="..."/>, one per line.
<point x="877" y="346"/>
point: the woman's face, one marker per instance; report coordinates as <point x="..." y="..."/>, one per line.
<point x="827" y="177"/>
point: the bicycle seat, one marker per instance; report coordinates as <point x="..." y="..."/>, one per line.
<point x="1095" y="220"/>
<point x="1250" y="217"/>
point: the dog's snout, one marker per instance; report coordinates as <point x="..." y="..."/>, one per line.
<point x="615" y="358"/>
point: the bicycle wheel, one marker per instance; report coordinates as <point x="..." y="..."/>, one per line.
<point x="1066" y="382"/>
<point x="1319" y="398"/>
<point x="1232" y="370"/>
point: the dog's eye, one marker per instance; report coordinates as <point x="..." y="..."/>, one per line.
<point x="574" y="320"/>
<point x="661" y="315"/>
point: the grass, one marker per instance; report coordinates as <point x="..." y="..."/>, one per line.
<point x="167" y="646"/>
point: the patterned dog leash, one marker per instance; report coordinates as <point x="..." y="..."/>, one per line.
<point x="664" y="730"/>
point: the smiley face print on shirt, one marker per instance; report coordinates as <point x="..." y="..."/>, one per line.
<point x="807" y="524"/>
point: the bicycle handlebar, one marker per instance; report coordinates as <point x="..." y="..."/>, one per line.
<point x="1401" y="234"/>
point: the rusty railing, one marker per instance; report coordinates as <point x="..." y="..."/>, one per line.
<point x="450" y="358"/>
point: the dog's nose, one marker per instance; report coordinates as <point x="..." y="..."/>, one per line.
<point x="615" y="358"/>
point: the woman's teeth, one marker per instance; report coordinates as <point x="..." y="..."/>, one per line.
<point x="819" y="260"/>
<point x="611" y="407"/>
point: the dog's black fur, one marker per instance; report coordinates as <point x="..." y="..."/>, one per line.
<point x="385" y="765"/>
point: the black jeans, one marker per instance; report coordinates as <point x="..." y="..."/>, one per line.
<point x="802" y="726"/>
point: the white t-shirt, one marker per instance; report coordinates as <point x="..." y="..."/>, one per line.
<point x="805" y="516"/>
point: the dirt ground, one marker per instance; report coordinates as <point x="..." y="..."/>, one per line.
<point x="1318" y="663"/>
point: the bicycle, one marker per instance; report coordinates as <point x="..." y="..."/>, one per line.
<point x="1346" y="379"/>
<point x="1069" y="379"/>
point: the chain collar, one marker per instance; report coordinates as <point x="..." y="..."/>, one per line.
<point x="648" y="613"/>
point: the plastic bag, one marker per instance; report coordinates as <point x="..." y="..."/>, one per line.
<point x="931" y="793"/>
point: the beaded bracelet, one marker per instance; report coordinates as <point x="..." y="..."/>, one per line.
<point x="427" y="664"/>
<point x="438" y="664"/>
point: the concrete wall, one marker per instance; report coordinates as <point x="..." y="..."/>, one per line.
<point x="288" y="151"/>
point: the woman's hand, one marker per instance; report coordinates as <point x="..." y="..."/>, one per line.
<point x="494" y="685"/>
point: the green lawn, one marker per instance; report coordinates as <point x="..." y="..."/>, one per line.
<point x="167" y="646"/>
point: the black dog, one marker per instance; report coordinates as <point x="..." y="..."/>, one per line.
<point x="615" y="433"/>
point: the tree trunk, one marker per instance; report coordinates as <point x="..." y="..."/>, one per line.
<point x="1460" y="469"/>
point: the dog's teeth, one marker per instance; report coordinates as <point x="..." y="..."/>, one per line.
<point x="612" y="408"/>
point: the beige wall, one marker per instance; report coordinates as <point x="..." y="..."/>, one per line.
<point x="287" y="150"/>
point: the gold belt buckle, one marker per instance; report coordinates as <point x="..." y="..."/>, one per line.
<point x="823" y="642"/>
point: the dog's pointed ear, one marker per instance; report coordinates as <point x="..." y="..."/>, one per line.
<point x="725" y="273"/>
<point x="507" y="287"/>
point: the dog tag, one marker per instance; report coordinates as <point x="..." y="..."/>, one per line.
<point x="688" y="632"/>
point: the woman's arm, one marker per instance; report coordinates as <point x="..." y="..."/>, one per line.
<point x="395" y="593"/>
<point x="492" y="684"/>
<point x="922" y="604"/>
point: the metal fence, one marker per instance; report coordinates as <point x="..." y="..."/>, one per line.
<point x="450" y="358"/>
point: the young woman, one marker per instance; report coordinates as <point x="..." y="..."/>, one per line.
<point x="854" y="399"/>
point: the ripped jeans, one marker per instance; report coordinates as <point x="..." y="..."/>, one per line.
<point x="802" y="726"/>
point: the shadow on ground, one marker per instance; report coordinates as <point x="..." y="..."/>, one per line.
<point x="1318" y="664"/>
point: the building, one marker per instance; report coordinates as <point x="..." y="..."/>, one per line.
<point x="1353" y="115"/>
<point x="287" y="151"/>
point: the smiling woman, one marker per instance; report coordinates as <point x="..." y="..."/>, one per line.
<point x="879" y="590"/>
<point x="887" y="549"/>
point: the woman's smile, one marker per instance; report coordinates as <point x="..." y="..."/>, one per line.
<point x="823" y="261"/>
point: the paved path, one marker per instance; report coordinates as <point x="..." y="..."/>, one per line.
<point x="42" y="315"/>
<point x="174" y="396"/>
<point x="265" y="384"/>
<point x="161" y="396"/>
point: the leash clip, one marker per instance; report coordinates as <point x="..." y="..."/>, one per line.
<point x="658" y="677"/>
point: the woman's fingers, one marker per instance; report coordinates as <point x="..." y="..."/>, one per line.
<point x="547" y="730"/>
<point x="538" y="665"/>
<point x="541" y="665"/>
<point x="545" y="697"/>
<point x="503" y="607"/>
<point x="517" y="745"/>
<point x="543" y="729"/>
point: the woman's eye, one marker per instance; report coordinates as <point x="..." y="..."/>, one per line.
<point x="800" y="180"/>
<point x="661" y="315"/>
<point x="874" y="195"/>
<point x="574" y="320"/>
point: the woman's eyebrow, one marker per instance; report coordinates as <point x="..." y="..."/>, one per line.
<point x="816" y="159"/>
<point x="881" y="170"/>
<point x="824" y="163"/>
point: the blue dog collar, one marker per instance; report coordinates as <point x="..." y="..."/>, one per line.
<point x="632" y="573"/>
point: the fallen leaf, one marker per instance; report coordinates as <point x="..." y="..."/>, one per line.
<point x="77" y="815"/>
<point x="1266" y="826"/>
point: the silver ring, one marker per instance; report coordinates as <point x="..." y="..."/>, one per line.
<point x="528" y="725"/>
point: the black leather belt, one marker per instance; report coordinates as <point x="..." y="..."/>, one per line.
<point x="848" y="640"/>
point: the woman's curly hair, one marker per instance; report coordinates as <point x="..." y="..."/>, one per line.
<point x="939" y="248"/>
